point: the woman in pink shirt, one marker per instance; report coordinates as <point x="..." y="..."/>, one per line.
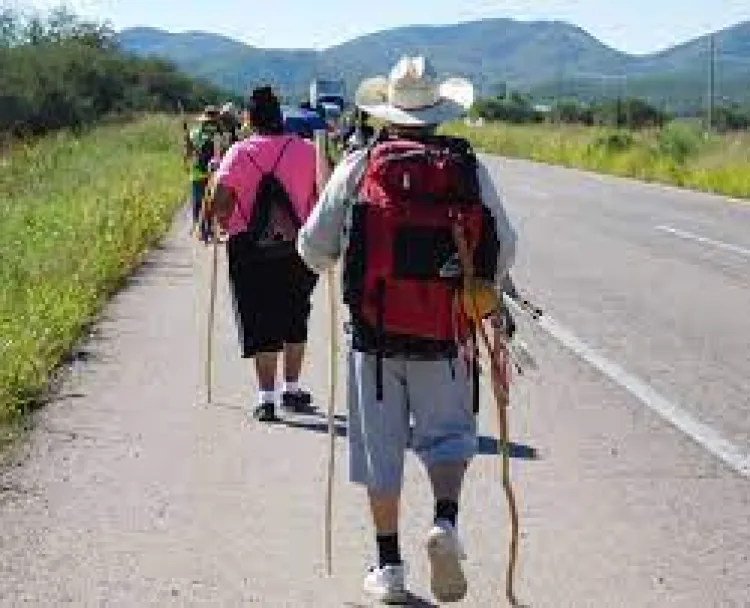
<point x="265" y="190"/>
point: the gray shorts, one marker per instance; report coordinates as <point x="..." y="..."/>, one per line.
<point x="426" y="406"/>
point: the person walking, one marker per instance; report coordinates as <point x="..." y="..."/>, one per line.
<point x="265" y="188"/>
<point x="399" y="213"/>
<point x="360" y="134"/>
<point x="201" y="149"/>
<point x="229" y="126"/>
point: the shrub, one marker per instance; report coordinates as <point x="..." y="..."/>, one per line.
<point x="616" y="141"/>
<point x="679" y="141"/>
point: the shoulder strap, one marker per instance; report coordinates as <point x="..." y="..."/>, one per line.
<point x="257" y="220"/>
<point x="368" y="155"/>
<point x="457" y="145"/>
<point x="281" y="154"/>
<point x="276" y="162"/>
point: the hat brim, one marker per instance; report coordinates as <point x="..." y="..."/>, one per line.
<point x="456" y="98"/>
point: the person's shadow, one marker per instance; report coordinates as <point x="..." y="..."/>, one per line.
<point x="413" y="601"/>
<point x="317" y="422"/>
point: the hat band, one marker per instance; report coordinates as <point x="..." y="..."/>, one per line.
<point x="418" y="108"/>
<point x="414" y="99"/>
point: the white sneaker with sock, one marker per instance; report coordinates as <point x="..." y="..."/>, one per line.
<point x="387" y="584"/>
<point x="445" y="552"/>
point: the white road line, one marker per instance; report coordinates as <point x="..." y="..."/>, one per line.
<point x="705" y="240"/>
<point x="707" y="437"/>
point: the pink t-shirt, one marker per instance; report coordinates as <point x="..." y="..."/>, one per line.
<point x="295" y="170"/>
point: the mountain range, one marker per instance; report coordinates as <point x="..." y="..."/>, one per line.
<point x="546" y="58"/>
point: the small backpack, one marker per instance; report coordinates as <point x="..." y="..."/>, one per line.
<point x="203" y="138"/>
<point x="401" y="269"/>
<point x="272" y="229"/>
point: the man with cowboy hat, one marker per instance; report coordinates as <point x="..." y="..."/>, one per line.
<point x="405" y="389"/>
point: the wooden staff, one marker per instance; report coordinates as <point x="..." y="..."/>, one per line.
<point x="205" y="215"/>
<point x="211" y="310"/>
<point x="322" y="174"/>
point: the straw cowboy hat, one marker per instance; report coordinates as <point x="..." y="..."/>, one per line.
<point x="412" y="95"/>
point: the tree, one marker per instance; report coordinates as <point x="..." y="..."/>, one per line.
<point x="572" y="112"/>
<point x="60" y="71"/>
<point x="731" y="118"/>
<point x="633" y="113"/>
<point x="515" y="109"/>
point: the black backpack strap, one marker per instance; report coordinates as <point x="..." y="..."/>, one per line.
<point x="368" y="155"/>
<point x="458" y="145"/>
<point x="259" y="220"/>
<point x="264" y="173"/>
<point x="275" y="165"/>
<point x="290" y="209"/>
<point x="380" y="329"/>
<point x="475" y="371"/>
<point x="281" y="155"/>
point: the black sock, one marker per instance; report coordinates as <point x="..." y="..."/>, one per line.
<point x="389" y="553"/>
<point x="446" y="510"/>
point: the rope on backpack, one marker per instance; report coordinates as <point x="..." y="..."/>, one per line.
<point x="501" y="381"/>
<point x="477" y="302"/>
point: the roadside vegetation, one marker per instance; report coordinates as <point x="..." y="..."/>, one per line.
<point x="91" y="175"/>
<point x="76" y="215"/>
<point x="627" y="139"/>
<point x="58" y="71"/>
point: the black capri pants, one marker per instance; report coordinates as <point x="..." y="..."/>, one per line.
<point x="271" y="297"/>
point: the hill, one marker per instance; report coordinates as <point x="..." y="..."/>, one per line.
<point x="548" y="56"/>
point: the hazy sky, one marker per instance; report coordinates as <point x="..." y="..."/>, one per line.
<point x="636" y="26"/>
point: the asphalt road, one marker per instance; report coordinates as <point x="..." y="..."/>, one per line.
<point x="132" y="491"/>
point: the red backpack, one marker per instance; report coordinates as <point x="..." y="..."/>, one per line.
<point x="401" y="268"/>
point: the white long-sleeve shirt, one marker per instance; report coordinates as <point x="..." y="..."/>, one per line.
<point x="324" y="237"/>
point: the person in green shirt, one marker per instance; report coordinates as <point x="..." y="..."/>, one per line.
<point x="202" y="151"/>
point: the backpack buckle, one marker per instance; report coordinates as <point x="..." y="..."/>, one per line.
<point x="451" y="269"/>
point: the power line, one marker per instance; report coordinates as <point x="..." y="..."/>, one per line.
<point x="711" y="81"/>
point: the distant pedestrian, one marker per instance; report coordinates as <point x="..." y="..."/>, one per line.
<point x="360" y="134"/>
<point x="265" y="190"/>
<point x="202" y="146"/>
<point x="229" y="126"/>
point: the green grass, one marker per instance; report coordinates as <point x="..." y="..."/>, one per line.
<point x="76" y="216"/>
<point x="677" y="155"/>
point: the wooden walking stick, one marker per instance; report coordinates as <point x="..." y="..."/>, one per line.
<point x="206" y="215"/>
<point x="477" y="305"/>
<point x="211" y="304"/>
<point x="322" y="178"/>
<point x="331" y="425"/>
<point x="211" y="317"/>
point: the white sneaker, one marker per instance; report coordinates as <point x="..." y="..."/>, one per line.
<point x="444" y="549"/>
<point x="387" y="584"/>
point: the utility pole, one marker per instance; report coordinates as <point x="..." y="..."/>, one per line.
<point x="711" y="82"/>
